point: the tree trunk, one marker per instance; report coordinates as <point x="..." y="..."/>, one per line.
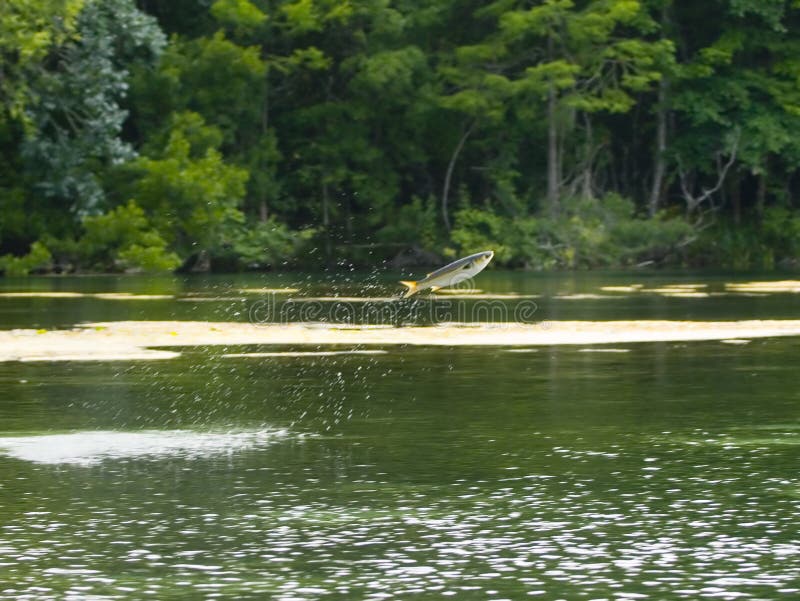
<point x="736" y="198"/>
<point x="587" y="187"/>
<point x="761" y="195"/>
<point x="553" y="183"/>
<point x="660" y="167"/>
<point x="449" y="174"/>
<point x="263" y="211"/>
<point x="553" y="158"/>
<point x="348" y="220"/>
<point x="326" y="223"/>
<point x="657" y="190"/>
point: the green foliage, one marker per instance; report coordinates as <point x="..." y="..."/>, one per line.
<point x="391" y="72"/>
<point x="743" y="80"/>
<point x="590" y="57"/>
<point x="213" y="76"/>
<point x="38" y="258"/>
<point x="28" y="32"/>
<point x="254" y="123"/>
<point x="239" y="13"/>
<point x="124" y="239"/>
<point x="76" y="119"/>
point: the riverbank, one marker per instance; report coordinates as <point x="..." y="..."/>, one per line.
<point x="152" y="340"/>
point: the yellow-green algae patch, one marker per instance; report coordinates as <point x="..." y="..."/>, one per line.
<point x="212" y="299"/>
<point x="269" y="290"/>
<point x="671" y="290"/>
<point x="304" y="354"/>
<point x="461" y="294"/>
<point x="781" y="286"/>
<point x="142" y="354"/>
<point x="631" y="288"/>
<point x="679" y="293"/>
<point x="604" y="350"/>
<point x="458" y="291"/>
<point x="344" y="299"/>
<point x="130" y="296"/>
<point x="41" y="294"/>
<point x="681" y="286"/>
<point x="100" y="295"/>
<point x="584" y="296"/>
<point x="125" y="340"/>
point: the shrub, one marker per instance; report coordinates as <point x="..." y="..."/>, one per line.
<point x="266" y="244"/>
<point x="586" y="233"/>
<point x="477" y="229"/>
<point x="760" y="244"/>
<point x="123" y="239"/>
<point x="781" y="227"/>
<point x="188" y="190"/>
<point x="414" y="222"/>
<point x="38" y="258"/>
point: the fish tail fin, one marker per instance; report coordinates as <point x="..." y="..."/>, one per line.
<point x="411" y="288"/>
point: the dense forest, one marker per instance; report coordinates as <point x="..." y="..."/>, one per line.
<point x="250" y="134"/>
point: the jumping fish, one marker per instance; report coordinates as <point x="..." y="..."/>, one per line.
<point x="450" y="274"/>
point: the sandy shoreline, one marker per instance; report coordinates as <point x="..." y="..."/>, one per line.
<point x="134" y="340"/>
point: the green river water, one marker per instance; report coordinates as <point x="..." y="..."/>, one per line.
<point x="645" y="471"/>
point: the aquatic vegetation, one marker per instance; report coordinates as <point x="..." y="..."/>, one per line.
<point x="269" y="290"/>
<point x="631" y="288"/>
<point x="604" y="350"/>
<point x="302" y="354"/>
<point x="791" y="286"/>
<point x="100" y="295"/>
<point x="129" y="340"/>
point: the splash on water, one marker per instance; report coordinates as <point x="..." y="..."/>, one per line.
<point x="88" y="448"/>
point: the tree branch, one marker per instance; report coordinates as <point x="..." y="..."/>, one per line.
<point x="692" y="201"/>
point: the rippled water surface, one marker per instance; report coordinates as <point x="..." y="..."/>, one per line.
<point x="669" y="471"/>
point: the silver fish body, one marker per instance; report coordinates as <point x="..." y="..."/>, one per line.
<point x="451" y="274"/>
